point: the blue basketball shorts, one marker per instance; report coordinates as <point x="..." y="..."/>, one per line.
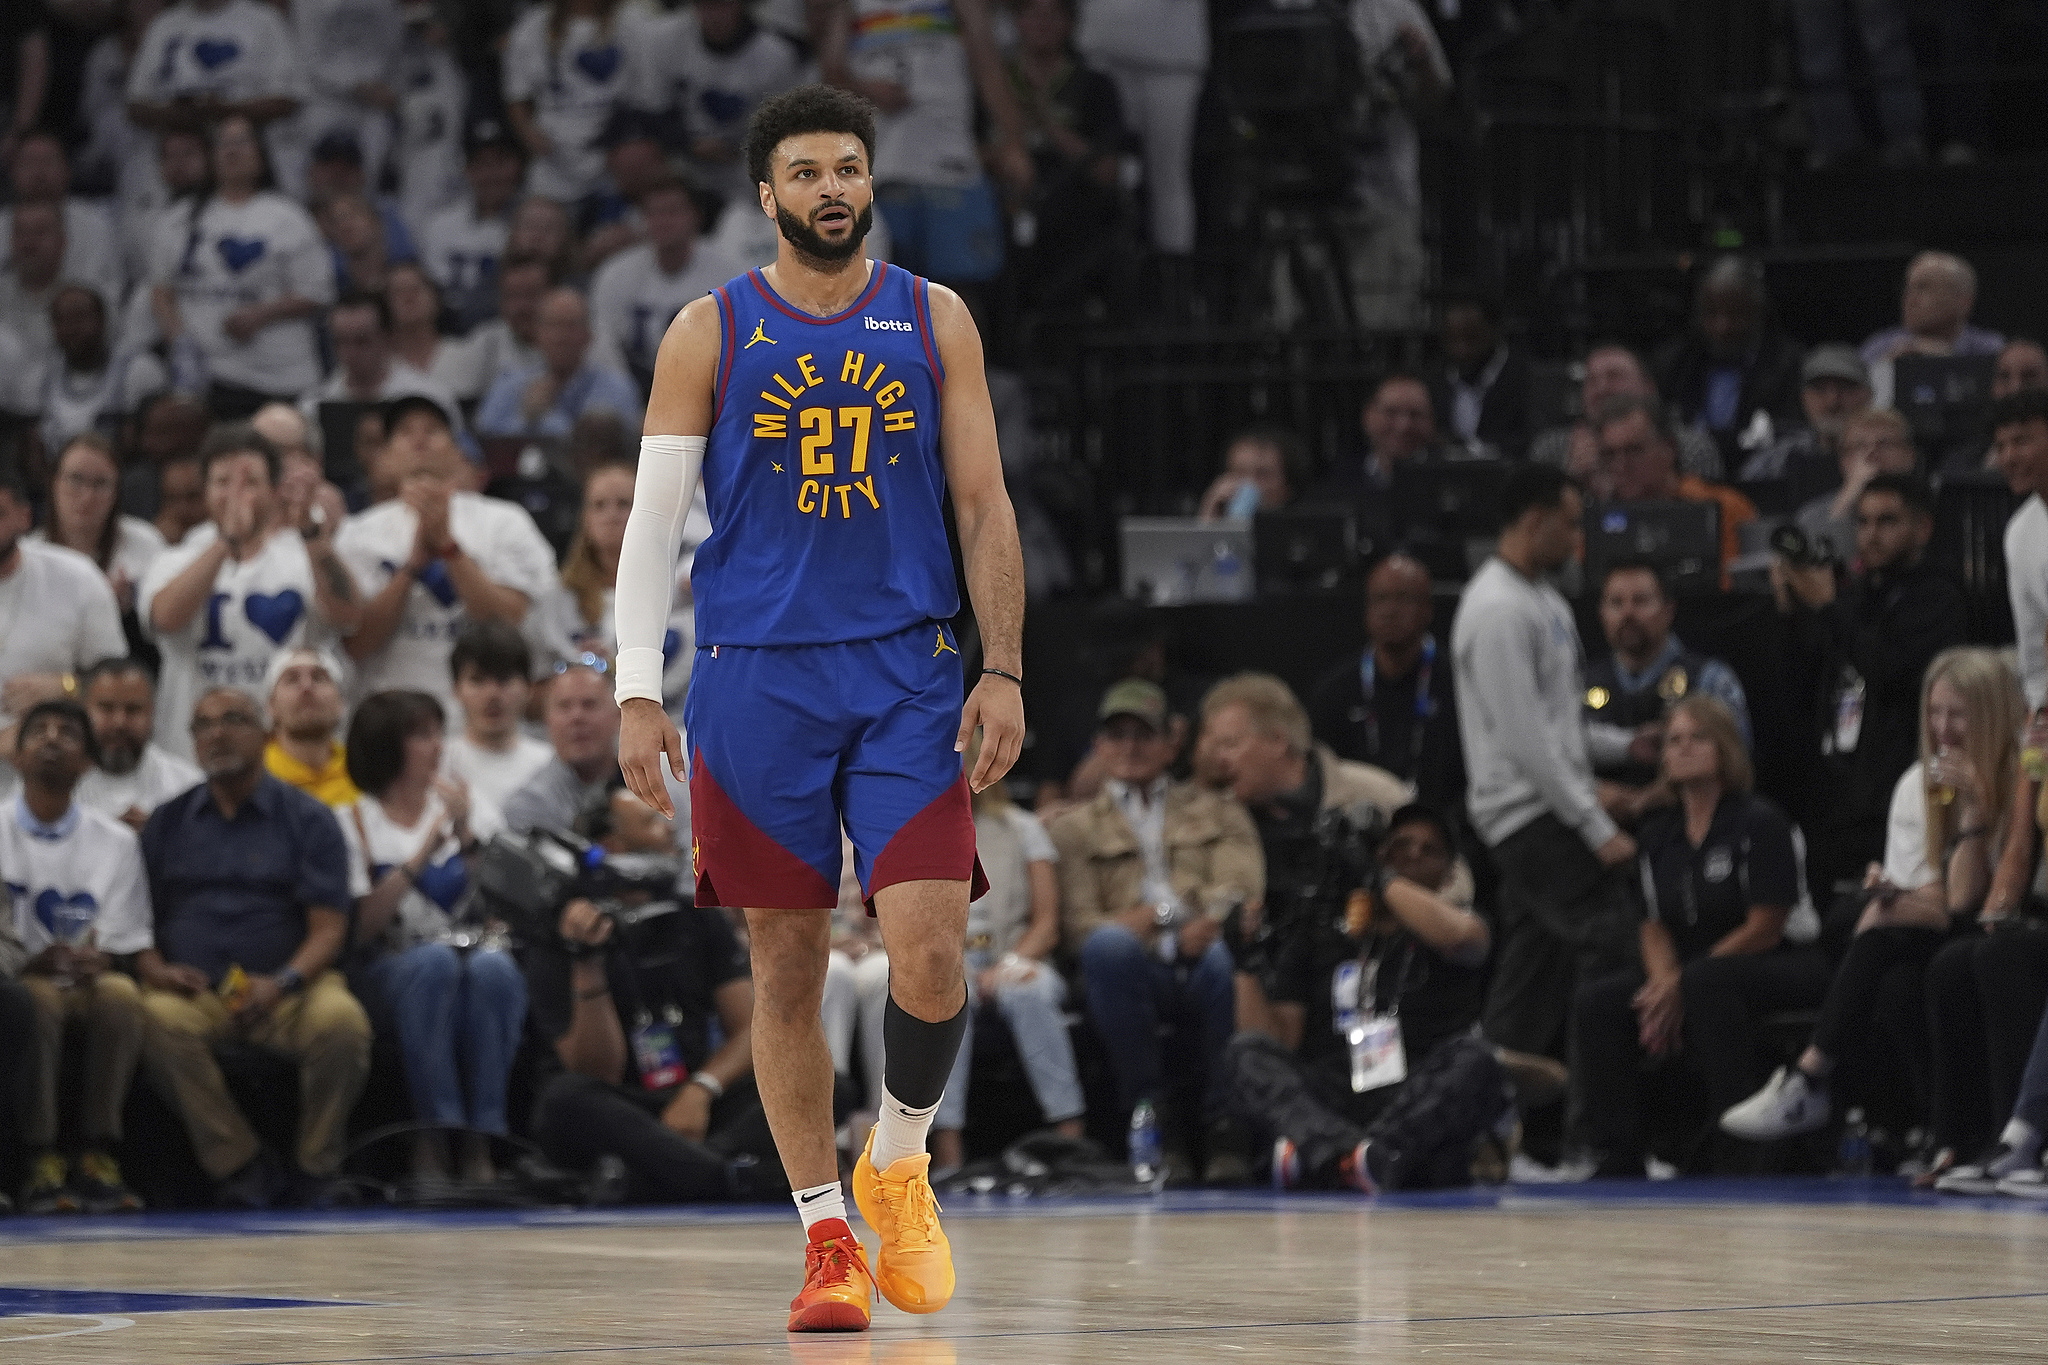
<point x="789" y="742"/>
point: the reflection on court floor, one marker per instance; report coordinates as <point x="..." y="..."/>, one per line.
<point x="1698" y="1271"/>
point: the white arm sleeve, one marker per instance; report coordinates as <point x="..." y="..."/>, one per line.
<point x="662" y="493"/>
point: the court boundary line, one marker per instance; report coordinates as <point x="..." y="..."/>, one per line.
<point x="1411" y="1321"/>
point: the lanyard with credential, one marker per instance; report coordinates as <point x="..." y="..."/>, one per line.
<point x="1425" y="705"/>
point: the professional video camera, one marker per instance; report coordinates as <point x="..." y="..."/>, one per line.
<point x="526" y="879"/>
<point x="1312" y="881"/>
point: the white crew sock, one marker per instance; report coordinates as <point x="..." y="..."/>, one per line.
<point x="820" y="1202"/>
<point x="2022" y="1138"/>
<point x="900" y="1132"/>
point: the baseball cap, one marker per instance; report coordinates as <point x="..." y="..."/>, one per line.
<point x="1135" y="697"/>
<point x="1835" y="361"/>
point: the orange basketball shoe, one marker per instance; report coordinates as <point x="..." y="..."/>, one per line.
<point x="914" y="1264"/>
<point x="838" y="1288"/>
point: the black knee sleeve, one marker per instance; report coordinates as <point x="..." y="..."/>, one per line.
<point x="919" y="1056"/>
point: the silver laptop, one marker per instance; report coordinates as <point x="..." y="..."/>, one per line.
<point x="1173" y="561"/>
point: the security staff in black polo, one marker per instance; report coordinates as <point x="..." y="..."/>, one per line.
<point x="1647" y="670"/>
<point x="1727" y="937"/>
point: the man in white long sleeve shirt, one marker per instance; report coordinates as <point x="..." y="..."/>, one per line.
<point x="1518" y="666"/>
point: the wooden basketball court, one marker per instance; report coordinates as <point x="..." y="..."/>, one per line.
<point x="1699" y="1272"/>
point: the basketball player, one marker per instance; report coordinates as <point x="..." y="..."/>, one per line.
<point x="830" y="404"/>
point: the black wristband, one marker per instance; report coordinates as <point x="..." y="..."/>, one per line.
<point x="1003" y="673"/>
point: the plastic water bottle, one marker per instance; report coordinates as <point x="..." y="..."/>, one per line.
<point x="1855" y="1152"/>
<point x="1145" y="1156"/>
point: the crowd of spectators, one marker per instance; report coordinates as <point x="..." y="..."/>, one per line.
<point x="320" y="363"/>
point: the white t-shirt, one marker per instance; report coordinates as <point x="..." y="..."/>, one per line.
<point x="461" y="251"/>
<point x="75" y="402"/>
<point x="632" y="300"/>
<point x="86" y="870"/>
<point x="494" y="350"/>
<point x="500" y="536"/>
<point x="573" y="90"/>
<point x="401" y="380"/>
<point x="158" y="776"/>
<point x="347" y="43"/>
<point x="240" y="51"/>
<point x="258" y="606"/>
<point x="494" y="776"/>
<point x="432" y="96"/>
<point x="57" y="614"/>
<point x="717" y="92"/>
<point x="916" y="43"/>
<point x="1905" y="835"/>
<point x="137" y="543"/>
<point x="1008" y="842"/>
<point x="21" y="375"/>
<point x="237" y="254"/>
<point x="2026" y="583"/>
<point x="392" y="843"/>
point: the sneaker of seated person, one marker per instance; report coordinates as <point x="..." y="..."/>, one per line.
<point x="1287" y="1172"/>
<point x="1355" y="1169"/>
<point x="49" y="1187"/>
<point x="1228" y="1161"/>
<point x="99" y="1186"/>
<point x="2028" y="1182"/>
<point x="1790" y="1103"/>
<point x="258" y="1185"/>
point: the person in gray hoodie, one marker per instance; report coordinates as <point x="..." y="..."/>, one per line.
<point x="1519" y="669"/>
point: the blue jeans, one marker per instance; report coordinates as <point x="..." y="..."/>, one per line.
<point x="1032" y="1010"/>
<point x="1131" y="993"/>
<point x="1823" y="30"/>
<point x="448" y="1005"/>
<point x="944" y="234"/>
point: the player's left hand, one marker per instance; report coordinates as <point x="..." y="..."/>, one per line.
<point x="997" y="706"/>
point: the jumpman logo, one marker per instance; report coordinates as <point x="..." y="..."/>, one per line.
<point x="760" y="335"/>
<point x="943" y="648"/>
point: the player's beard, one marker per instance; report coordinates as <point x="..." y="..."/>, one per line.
<point x="812" y="248"/>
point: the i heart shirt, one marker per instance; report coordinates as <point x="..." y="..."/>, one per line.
<point x="257" y="607"/>
<point x="241" y="51"/>
<point x="217" y="257"/>
<point x="498" y="535"/>
<point x="81" y="874"/>
<point x="573" y="86"/>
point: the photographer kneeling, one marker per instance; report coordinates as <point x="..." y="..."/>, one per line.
<point x="650" y="1011"/>
<point x="1347" y="1007"/>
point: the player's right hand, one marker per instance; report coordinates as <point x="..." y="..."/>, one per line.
<point x="646" y="737"/>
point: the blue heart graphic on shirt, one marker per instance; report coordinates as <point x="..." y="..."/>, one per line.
<point x="723" y="105"/>
<point x="434" y="578"/>
<point x="670" y="643"/>
<point x="66" y="916"/>
<point x="216" y="52"/>
<point x="598" y="63"/>
<point x="274" y="613"/>
<point x="442" y="883"/>
<point x="239" y="253"/>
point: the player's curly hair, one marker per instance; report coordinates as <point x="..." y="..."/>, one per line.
<point x="807" y="109"/>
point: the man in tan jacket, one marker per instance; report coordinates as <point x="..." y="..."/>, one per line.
<point x="1149" y="869"/>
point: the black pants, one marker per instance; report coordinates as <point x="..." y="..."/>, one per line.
<point x="1881" y="988"/>
<point x="1564" y="919"/>
<point x="578" y="1119"/>
<point x="18" y="1070"/>
<point x="1724" y="999"/>
<point x="1985" y="995"/>
<point x="1273" y="1095"/>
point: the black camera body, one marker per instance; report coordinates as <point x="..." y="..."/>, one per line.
<point x="1313" y="883"/>
<point x="526" y="879"/>
<point x="1797" y="547"/>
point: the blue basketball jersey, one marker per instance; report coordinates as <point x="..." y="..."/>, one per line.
<point x="822" y="474"/>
